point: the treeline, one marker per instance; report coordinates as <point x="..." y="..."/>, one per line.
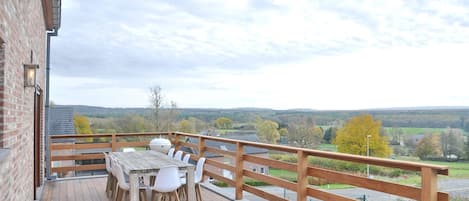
<point x="425" y="118"/>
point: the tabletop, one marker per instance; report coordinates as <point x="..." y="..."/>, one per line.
<point x="142" y="162"/>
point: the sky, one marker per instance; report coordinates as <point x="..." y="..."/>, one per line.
<point x="279" y="54"/>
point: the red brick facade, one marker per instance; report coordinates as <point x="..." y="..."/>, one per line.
<point x="23" y="32"/>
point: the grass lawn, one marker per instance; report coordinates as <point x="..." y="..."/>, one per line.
<point x="414" y="131"/>
<point x="328" y="147"/>
<point x="456" y="169"/>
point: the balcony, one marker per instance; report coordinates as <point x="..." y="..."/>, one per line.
<point x="70" y="155"/>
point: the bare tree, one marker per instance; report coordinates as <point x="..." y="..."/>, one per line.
<point x="156" y="100"/>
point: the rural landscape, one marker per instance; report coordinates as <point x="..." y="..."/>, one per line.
<point x="436" y="135"/>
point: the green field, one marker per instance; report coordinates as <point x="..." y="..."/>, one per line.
<point x="328" y="147"/>
<point x="456" y="169"/>
<point x="414" y="131"/>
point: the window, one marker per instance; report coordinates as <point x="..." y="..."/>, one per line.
<point x="262" y="170"/>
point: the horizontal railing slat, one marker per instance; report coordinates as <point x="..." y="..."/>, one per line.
<point x="261" y="193"/>
<point x="219" y="178"/>
<point x="270" y="163"/>
<point x="79" y="168"/>
<point x="63" y="146"/>
<point x="219" y="151"/>
<point x="323" y="195"/>
<point x="271" y="180"/>
<point x="77" y="157"/>
<point x="219" y="165"/>
<point x="372" y="184"/>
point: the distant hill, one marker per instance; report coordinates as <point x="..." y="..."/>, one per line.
<point x="425" y="117"/>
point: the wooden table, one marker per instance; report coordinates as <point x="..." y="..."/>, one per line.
<point x="144" y="163"/>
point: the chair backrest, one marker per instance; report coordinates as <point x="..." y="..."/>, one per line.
<point x="186" y="158"/>
<point x="128" y="149"/>
<point x="167" y="179"/>
<point x="199" y="170"/>
<point x="119" y="173"/>
<point x="178" y="155"/>
<point x="171" y="152"/>
<point x="108" y="162"/>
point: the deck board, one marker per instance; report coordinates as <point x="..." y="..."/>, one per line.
<point x="92" y="189"/>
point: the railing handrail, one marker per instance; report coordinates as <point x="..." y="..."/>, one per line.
<point x="407" y="165"/>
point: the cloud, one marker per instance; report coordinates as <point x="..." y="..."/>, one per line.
<point x="246" y="53"/>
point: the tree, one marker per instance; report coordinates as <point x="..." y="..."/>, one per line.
<point x="156" y="101"/>
<point x="304" y="134"/>
<point x="199" y="125"/>
<point x="428" y="147"/>
<point x="352" y="138"/>
<point x="186" y="126"/>
<point x="267" y="131"/>
<point x="82" y="126"/>
<point x="223" y="123"/>
<point x="330" y="134"/>
<point x="452" y="144"/>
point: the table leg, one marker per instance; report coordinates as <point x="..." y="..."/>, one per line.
<point x="134" y="185"/>
<point x="190" y="184"/>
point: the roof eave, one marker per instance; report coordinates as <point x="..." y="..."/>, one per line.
<point x="52" y="12"/>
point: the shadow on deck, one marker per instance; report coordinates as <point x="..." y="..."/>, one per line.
<point x="93" y="189"/>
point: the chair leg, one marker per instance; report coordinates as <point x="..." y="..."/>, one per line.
<point x="198" y="194"/>
<point x="120" y="195"/>
<point x="108" y="184"/>
<point x="143" y="195"/>
<point x="153" y="193"/>
<point x="176" y="195"/>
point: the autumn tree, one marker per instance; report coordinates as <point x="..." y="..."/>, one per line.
<point x="427" y="147"/>
<point x="198" y="124"/>
<point x="267" y="131"/>
<point x="305" y="134"/>
<point x="82" y="126"/>
<point x="452" y="144"/>
<point x="186" y="126"/>
<point x="352" y="137"/>
<point x="223" y="123"/>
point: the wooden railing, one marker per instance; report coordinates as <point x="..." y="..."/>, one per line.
<point x="198" y="143"/>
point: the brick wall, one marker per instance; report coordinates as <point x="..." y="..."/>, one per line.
<point x="22" y="29"/>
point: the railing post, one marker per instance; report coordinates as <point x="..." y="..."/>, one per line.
<point x="302" y="180"/>
<point x="176" y="141"/>
<point x="201" y="147"/>
<point x="113" y="142"/>
<point x="239" y="171"/>
<point x="429" y="190"/>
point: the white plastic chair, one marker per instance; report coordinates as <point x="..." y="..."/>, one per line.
<point x="171" y="152"/>
<point x="178" y="155"/>
<point x="167" y="182"/>
<point x="186" y="158"/>
<point x="128" y="149"/>
<point x="123" y="187"/>
<point x="198" y="176"/>
<point x="111" y="179"/>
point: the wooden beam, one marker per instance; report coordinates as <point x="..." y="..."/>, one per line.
<point x="201" y="147"/>
<point x="302" y="177"/>
<point x="377" y="185"/>
<point x="429" y="185"/>
<point x="79" y="168"/>
<point x="271" y="163"/>
<point x="239" y="171"/>
<point x="77" y="157"/>
<point x="220" y="165"/>
<point x="63" y="146"/>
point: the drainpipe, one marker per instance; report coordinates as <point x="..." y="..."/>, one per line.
<point x="47" y="106"/>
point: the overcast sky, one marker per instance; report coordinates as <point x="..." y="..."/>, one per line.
<point x="270" y="53"/>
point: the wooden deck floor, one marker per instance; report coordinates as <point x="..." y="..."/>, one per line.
<point x="92" y="189"/>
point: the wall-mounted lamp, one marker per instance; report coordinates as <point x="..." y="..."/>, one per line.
<point x="30" y="75"/>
